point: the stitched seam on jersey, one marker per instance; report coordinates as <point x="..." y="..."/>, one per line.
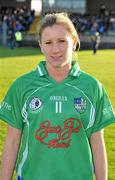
<point x="92" y="110"/>
<point x="25" y="116"/>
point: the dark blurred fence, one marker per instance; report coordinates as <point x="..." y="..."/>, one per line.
<point x="107" y="42"/>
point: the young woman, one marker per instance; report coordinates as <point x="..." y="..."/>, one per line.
<point x="56" y="114"/>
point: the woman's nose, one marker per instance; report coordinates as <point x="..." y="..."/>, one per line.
<point x="55" y="48"/>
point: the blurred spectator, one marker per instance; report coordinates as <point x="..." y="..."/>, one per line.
<point x="18" y="37"/>
<point x="20" y="19"/>
<point x="102" y="9"/>
<point x="4" y="30"/>
<point x="103" y="22"/>
<point x="95" y="38"/>
<point x="10" y="38"/>
<point x="17" y="19"/>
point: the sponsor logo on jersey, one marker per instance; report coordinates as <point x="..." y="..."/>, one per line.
<point x="58" y="98"/>
<point x="80" y="104"/>
<point x="35" y="103"/>
<point x="107" y="110"/>
<point x="5" y="105"/>
<point x="58" y="136"/>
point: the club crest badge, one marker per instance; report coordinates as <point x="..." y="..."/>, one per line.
<point x="80" y="104"/>
<point x="35" y="103"/>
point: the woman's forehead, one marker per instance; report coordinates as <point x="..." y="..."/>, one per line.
<point x="57" y="29"/>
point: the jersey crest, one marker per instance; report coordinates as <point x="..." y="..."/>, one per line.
<point x="80" y="104"/>
<point x="35" y="103"/>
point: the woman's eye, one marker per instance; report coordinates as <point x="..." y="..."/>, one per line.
<point x="62" y="41"/>
<point x="48" y="42"/>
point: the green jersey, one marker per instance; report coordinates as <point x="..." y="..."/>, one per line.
<point x="57" y="120"/>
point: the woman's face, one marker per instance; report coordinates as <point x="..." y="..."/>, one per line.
<point x="57" y="45"/>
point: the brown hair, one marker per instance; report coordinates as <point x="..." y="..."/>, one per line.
<point x="62" y="19"/>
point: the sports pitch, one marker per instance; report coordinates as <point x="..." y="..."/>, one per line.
<point x="14" y="63"/>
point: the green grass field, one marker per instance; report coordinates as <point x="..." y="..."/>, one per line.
<point x="14" y="63"/>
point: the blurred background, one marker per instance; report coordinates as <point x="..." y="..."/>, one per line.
<point x="19" y="20"/>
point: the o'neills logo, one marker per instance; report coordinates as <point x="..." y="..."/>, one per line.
<point x="57" y="136"/>
<point x="35" y="103"/>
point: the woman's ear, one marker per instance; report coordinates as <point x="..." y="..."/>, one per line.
<point x="74" y="44"/>
<point x="41" y="46"/>
<point x="39" y="42"/>
<point x="74" y="47"/>
<point x="42" y="50"/>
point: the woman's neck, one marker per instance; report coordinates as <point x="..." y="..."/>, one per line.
<point x="58" y="73"/>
